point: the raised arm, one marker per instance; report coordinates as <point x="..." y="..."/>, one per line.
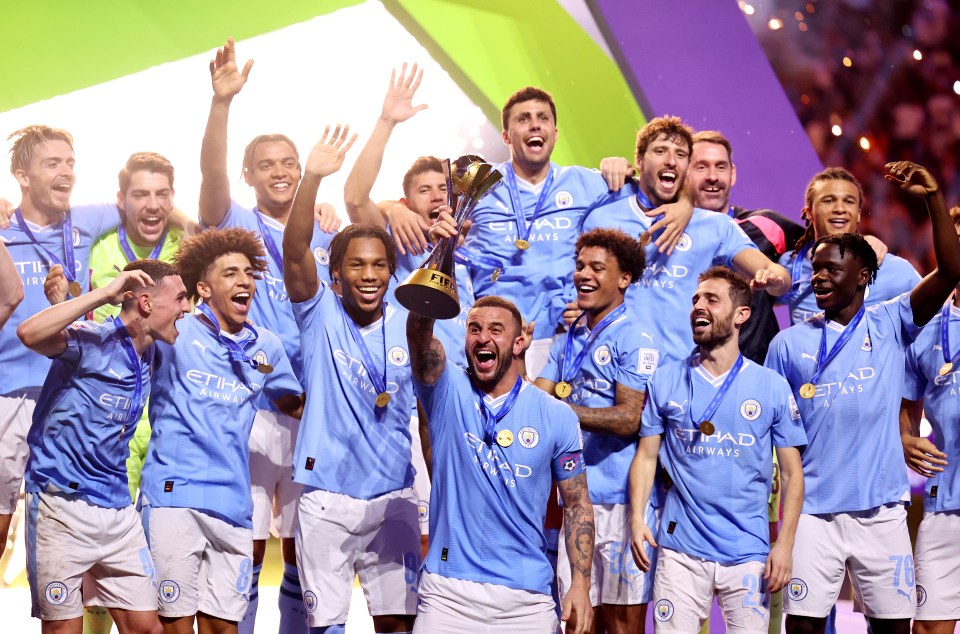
<point x="227" y="82"/>
<point x="11" y="286"/>
<point x="397" y="108"/>
<point x="928" y="296"/>
<point x="780" y="560"/>
<point x="579" y="531"/>
<point x="299" y="265"/>
<point x="767" y="275"/>
<point x="45" y="332"/>
<point x="643" y="470"/>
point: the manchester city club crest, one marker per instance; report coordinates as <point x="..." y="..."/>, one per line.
<point x="56" y="592"/>
<point x="602" y="355"/>
<point x="321" y="256"/>
<point x="398" y="356"/>
<point x="867" y="345"/>
<point x="563" y="199"/>
<point x="921" y="595"/>
<point x="663" y="611"/>
<point x="528" y="437"/>
<point x="169" y="591"/>
<point x="423" y="510"/>
<point x="750" y="409"/>
<point x="310" y="601"/>
<point x="684" y="243"/>
<point x="796" y="589"/>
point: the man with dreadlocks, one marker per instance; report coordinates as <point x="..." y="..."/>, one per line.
<point x="195" y="491"/>
<point x="833" y="201"/>
<point x="849" y="402"/>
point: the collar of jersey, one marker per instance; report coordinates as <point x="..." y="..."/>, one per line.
<point x="527" y="185"/>
<point x="638" y="212"/>
<point x="271" y="222"/>
<point x="494" y="403"/>
<point x="715" y="381"/>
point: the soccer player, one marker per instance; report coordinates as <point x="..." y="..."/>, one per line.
<point x="714" y="419"/>
<point x="497" y="444"/>
<point x="600" y="368"/>
<point x="271" y="166"/>
<point x="846" y="368"/>
<point x="357" y="512"/>
<point x="195" y="491"/>
<point x="933" y="367"/>
<point x="833" y="201"/>
<point x="85" y="542"/>
<point x="660" y="297"/>
<point x="44" y="232"/>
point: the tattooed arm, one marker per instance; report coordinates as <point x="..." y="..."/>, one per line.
<point x="427" y="357"/>
<point x="579" y="533"/>
<point x="623" y="419"/>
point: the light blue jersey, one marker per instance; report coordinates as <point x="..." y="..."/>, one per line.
<point x="717" y="506"/>
<point x="941" y="403"/>
<point x="622" y="355"/>
<point x="347" y="444"/>
<point x="271" y="306"/>
<point x="661" y="298"/>
<point x="85" y="416"/>
<point x="202" y="409"/>
<point x="20" y="367"/>
<point x="539" y="280"/>
<point x="854" y="459"/>
<point x="895" y="277"/>
<point x="488" y="502"/>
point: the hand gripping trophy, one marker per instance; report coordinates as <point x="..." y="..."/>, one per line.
<point x="431" y="290"/>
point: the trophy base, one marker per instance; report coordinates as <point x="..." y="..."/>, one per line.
<point x="430" y="293"/>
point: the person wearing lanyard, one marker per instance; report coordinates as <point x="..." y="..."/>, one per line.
<point x="497" y="445"/>
<point x="358" y="512"/>
<point x="195" y="490"/>
<point x="86" y="543"/>
<point x="44" y="233"/>
<point x="846" y="367"/>
<point x="600" y="368"/>
<point x="833" y="201"/>
<point x="271" y="167"/>
<point x="714" y="419"/>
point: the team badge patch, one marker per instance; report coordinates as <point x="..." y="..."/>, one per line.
<point x="529" y="437"/>
<point x="602" y="355"/>
<point x="685" y="243"/>
<point x="320" y="255"/>
<point x="260" y="357"/>
<point x="569" y="462"/>
<point x="663" y="611"/>
<point x="169" y="591"/>
<point x="867" y="346"/>
<point x="423" y="510"/>
<point x="796" y="589"/>
<point x="794" y="410"/>
<point x="56" y="591"/>
<point x="310" y="601"/>
<point x="649" y="358"/>
<point x="921" y="595"/>
<point x="76" y="237"/>
<point x="750" y="409"/>
<point x="397" y="355"/>
<point x="563" y="199"/>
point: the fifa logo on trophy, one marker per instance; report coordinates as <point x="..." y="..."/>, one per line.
<point x="431" y="290"/>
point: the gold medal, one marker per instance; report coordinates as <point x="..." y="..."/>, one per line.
<point x="496" y="275"/>
<point x="645" y="238"/>
<point x="707" y="428"/>
<point x="505" y="438"/>
<point x="382" y="399"/>
<point x="562" y="389"/>
<point x="522" y="244"/>
<point x="945" y="368"/>
<point x="74" y="289"/>
<point x="264" y="368"/>
<point x="808" y="390"/>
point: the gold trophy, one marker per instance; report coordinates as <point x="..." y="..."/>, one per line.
<point x="431" y="290"/>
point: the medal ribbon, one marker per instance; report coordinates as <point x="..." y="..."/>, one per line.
<point x="523" y="229"/>
<point x="69" y="271"/>
<point x="837" y="346"/>
<point x="574" y="368"/>
<point x="718" y="397"/>
<point x="945" y="336"/>
<point x="233" y="348"/>
<point x="136" y="410"/>
<point x="128" y="250"/>
<point x="471" y="260"/>
<point x="379" y="380"/>
<point x="490" y="419"/>
<point x="269" y="243"/>
<point x="797" y="283"/>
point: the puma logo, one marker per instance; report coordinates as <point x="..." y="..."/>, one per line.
<point x="202" y="347"/>
<point x="680" y="406"/>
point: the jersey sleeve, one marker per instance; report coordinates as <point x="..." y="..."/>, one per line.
<point x="99" y="219"/>
<point x="777" y="355"/>
<point x="568" y="452"/>
<point x="651" y="422"/>
<point x="914" y="381"/>
<point x="434" y="399"/>
<point x="551" y="371"/>
<point x="236" y="216"/>
<point x="77" y="338"/>
<point x="900" y="311"/>
<point x="636" y="366"/>
<point x="787" y="429"/>
<point x="310" y="312"/>
<point x="732" y="240"/>
<point x="281" y="381"/>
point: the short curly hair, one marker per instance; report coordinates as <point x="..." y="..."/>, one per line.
<point x="197" y="254"/>
<point x="627" y="251"/>
<point x="674" y="127"/>
<point x="858" y="247"/>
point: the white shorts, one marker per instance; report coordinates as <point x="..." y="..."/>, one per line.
<point x="80" y="554"/>
<point x="203" y="563"/>
<point x="615" y="578"/>
<point x="684" y="587"/>
<point x="538" y="354"/>
<point x="454" y="606"/>
<point x="937" y="561"/>
<point x="16" y="416"/>
<point x="378" y="540"/>
<point x="873" y="546"/>
<point x="421" y="481"/>
<point x="275" y="494"/>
